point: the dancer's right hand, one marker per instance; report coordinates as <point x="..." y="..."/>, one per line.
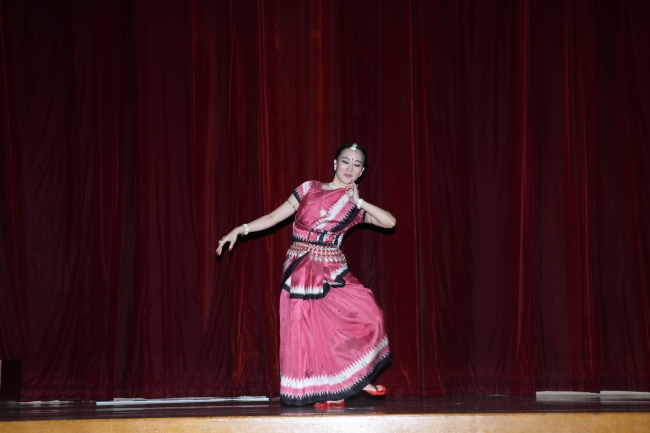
<point x="230" y="238"/>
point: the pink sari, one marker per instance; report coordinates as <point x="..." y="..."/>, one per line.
<point x="332" y="337"/>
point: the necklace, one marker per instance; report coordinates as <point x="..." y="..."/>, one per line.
<point x="323" y="212"/>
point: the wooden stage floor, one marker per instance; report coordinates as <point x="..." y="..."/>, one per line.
<point x="544" y="413"/>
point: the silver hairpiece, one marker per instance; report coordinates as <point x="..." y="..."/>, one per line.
<point x="354" y="146"/>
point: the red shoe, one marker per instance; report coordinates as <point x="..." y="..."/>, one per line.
<point x="329" y="404"/>
<point x="378" y="391"/>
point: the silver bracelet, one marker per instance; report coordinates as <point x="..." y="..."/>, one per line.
<point x="359" y="203"/>
<point x="245" y="229"/>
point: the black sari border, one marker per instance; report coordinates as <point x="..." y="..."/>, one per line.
<point x="345" y="393"/>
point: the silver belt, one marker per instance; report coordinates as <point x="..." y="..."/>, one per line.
<point x="316" y="252"/>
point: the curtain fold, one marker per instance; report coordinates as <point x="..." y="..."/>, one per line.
<point x="510" y="140"/>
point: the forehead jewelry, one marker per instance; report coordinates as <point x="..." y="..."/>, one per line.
<point x="354" y="146"/>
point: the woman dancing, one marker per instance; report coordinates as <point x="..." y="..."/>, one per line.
<point x="332" y="338"/>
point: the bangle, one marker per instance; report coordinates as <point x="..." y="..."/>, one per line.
<point x="359" y="203"/>
<point x="245" y="229"/>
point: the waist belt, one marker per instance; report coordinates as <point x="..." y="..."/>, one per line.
<point x="316" y="252"/>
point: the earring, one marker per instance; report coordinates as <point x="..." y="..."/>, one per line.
<point x="334" y="165"/>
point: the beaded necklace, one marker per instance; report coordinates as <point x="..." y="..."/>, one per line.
<point x="323" y="212"/>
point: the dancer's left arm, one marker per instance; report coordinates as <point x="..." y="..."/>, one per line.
<point x="374" y="215"/>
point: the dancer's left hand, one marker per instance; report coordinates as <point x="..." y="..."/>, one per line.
<point x="352" y="193"/>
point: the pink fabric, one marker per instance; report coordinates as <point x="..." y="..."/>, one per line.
<point x="341" y="214"/>
<point x="332" y="337"/>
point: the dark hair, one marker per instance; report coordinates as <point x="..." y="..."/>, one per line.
<point x="348" y="145"/>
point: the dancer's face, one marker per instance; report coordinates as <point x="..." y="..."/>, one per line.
<point x="349" y="165"/>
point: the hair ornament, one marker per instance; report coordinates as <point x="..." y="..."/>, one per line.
<point x="354" y="146"/>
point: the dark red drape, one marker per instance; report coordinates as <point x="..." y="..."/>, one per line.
<point x="510" y="140"/>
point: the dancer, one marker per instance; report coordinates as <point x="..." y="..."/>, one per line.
<point x="332" y="338"/>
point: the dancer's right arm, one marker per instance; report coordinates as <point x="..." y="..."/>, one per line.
<point x="280" y="214"/>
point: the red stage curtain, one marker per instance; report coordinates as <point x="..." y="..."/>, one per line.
<point x="510" y="140"/>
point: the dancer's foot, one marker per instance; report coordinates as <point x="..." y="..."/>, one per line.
<point x="375" y="390"/>
<point x="329" y="404"/>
